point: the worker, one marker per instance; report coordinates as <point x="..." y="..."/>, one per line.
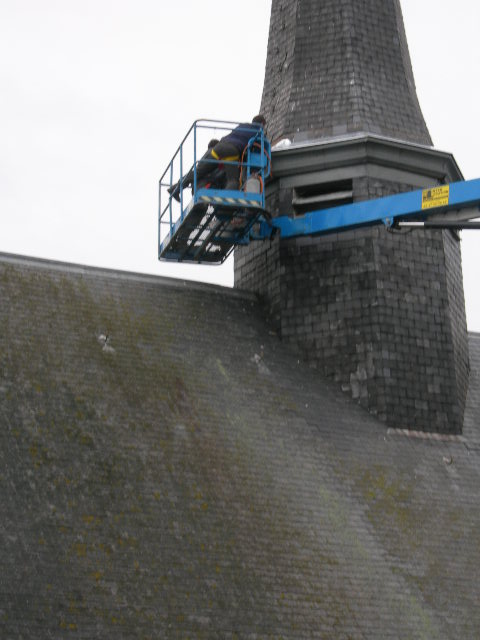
<point x="229" y="150"/>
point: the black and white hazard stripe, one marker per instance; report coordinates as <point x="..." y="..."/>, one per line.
<point x="231" y="201"/>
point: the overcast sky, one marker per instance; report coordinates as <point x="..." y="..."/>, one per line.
<point x="97" y="94"/>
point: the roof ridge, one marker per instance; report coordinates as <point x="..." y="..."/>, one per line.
<point x="82" y="269"/>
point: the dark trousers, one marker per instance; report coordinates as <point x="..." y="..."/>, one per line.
<point x="208" y="167"/>
<point x="222" y="151"/>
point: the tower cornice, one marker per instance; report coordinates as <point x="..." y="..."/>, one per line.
<point x="364" y="149"/>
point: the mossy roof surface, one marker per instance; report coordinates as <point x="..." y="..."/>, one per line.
<point x="168" y="469"/>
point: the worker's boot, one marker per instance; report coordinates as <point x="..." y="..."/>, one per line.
<point x="176" y="188"/>
<point x="174" y="191"/>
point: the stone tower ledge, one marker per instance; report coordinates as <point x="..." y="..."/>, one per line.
<point x="334" y="159"/>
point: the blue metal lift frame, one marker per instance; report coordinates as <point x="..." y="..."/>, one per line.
<point x="215" y="220"/>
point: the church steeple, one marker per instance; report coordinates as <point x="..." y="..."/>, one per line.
<point x="381" y="314"/>
<point x="336" y="67"/>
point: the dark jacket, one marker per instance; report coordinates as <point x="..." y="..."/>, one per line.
<point x="242" y="134"/>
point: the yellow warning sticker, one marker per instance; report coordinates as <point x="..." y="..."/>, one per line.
<point x="435" y="197"/>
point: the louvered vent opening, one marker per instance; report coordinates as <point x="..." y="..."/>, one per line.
<point x="322" y="196"/>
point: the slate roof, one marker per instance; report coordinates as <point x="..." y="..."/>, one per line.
<point x="336" y="68"/>
<point x="168" y="469"/>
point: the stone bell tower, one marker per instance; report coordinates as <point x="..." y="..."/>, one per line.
<point x="382" y="313"/>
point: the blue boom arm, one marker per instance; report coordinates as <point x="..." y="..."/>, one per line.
<point x="413" y="208"/>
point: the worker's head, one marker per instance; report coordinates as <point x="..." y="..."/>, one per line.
<point x="212" y="143"/>
<point x="259" y="120"/>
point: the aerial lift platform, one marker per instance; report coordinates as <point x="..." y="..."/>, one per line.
<point x="207" y="229"/>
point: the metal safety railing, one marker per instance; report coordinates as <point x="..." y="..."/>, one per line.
<point x="181" y="173"/>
